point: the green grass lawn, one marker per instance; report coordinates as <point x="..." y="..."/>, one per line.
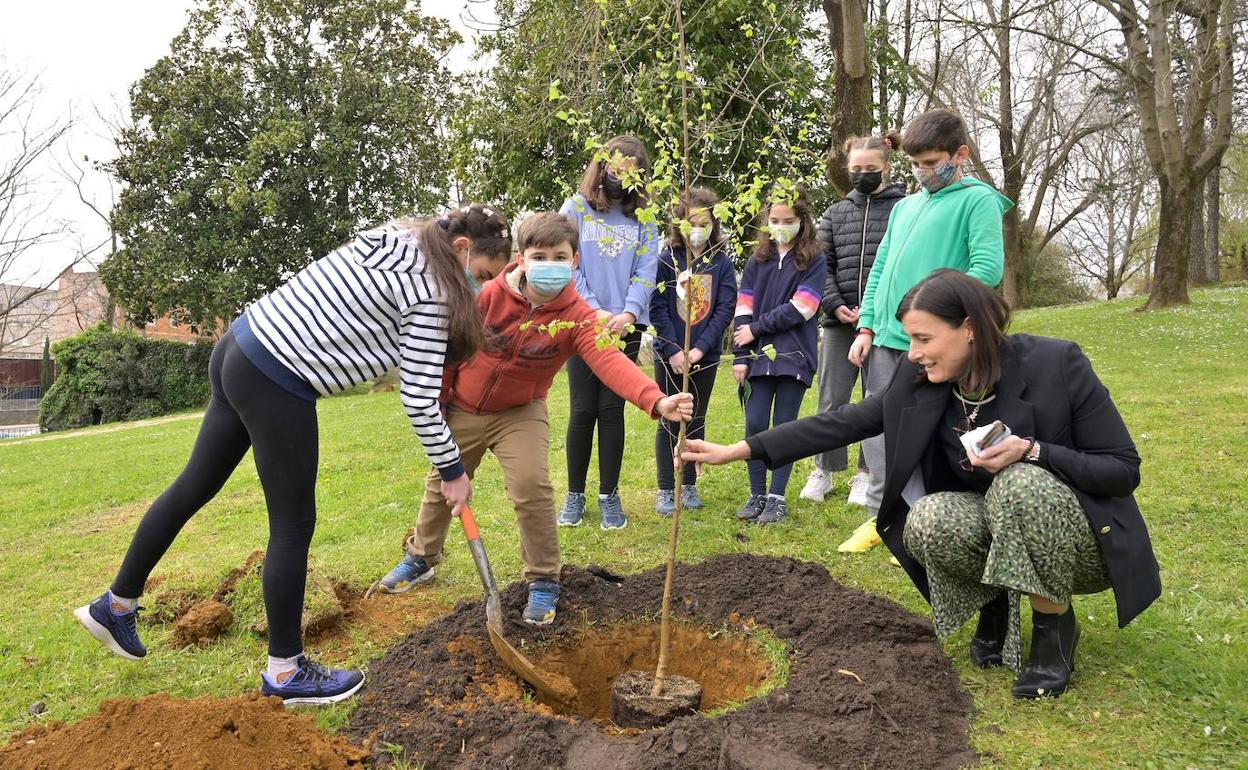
<point x="1168" y="691"/>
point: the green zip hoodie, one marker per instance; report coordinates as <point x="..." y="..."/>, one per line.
<point x="957" y="227"/>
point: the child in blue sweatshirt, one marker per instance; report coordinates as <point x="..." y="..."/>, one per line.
<point x="777" y="306"/>
<point x="712" y="283"/>
<point x="619" y="258"/>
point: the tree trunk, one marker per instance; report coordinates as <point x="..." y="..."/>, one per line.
<point x="1197" y="266"/>
<point x="851" y="99"/>
<point x="1213" y="222"/>
<point x="1243" y="261"/>
<point x="1014" y="279"/>
<point x="1169" y="279"/>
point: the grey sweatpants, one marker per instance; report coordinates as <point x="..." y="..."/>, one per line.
<point x="836" y="384"/>
<point x="881" y="365"/>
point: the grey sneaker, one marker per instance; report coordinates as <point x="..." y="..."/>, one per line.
<point x="573" y="510"/>
<point x="775" y="510"/>
<point x="543" y="596"/>
<point x="689" y="497"/>
<point x="612" y="511"/>
<point x="752" y="508"/>
<point x="664" y="502"/>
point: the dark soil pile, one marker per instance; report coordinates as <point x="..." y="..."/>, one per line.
<point x="244" y="733"/>
<point x="869" y="684"/>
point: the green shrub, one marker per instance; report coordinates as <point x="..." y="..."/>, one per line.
<point x="107" y="375"/>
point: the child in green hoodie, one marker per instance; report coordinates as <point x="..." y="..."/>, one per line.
<point x="954" y="221"/>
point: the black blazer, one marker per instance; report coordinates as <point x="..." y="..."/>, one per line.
<point x="1047" y="390"/>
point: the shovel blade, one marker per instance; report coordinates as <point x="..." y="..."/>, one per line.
<point x="550" y="684"/>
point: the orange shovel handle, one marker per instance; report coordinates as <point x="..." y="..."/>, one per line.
<point x="470" y="523"/>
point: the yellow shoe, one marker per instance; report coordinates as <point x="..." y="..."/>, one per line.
<point x="863" y="539"/>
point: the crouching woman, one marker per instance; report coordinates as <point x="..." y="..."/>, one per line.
<point x="1046" y="512"/>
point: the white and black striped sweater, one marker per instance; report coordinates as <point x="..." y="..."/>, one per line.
<point x="368" y="307"/>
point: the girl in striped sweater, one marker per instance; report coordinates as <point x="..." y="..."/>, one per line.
<point x="398" y="296"/>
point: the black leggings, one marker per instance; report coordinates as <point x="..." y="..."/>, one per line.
<point x="701" y="385"/>
<point x="247" y="410"/>
<point x="593" y="403"/>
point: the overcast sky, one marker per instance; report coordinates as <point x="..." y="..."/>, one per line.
<point x="86" y="54"/>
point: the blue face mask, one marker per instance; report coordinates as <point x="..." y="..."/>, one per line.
<point x="548" y="278"/>
<point x="473" y="283"/>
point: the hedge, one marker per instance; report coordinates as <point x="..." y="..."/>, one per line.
<point x="108" y="375"/>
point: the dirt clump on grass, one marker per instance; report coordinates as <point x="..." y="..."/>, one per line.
<point x="243" y="733"/>
<point x="202" y="624"/>
<point x="868" y="684"/>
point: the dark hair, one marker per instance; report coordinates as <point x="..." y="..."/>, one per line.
<point x="954" y="297"/>
<point x="489" y="232"/>
<point x="806" y="244"/>
<point x="699" y="198"/>
<point x="547" y="229"/>
<point x="885" y="145"/>
<point x="591" y="183"/>
<point x="939" y="129"/>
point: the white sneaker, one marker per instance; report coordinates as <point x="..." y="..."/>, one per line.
<point x="818" y="485"/>
<point x="858" y="489"/>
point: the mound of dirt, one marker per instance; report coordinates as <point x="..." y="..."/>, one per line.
<point x="869" y="685"/>
<point x="202" y="624"/>
<point x="244" y="733"/>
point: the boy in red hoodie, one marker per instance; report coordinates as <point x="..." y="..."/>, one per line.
<point x="496" y="400"/>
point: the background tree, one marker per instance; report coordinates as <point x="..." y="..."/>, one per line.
<point x="27" y="300"/>
<point x="1179" y="57"/>
<point x="271" y="131"/>
<point x="754" y="95"/>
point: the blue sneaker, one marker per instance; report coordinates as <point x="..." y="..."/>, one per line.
<point x="665" y="502"/>
<point x="612" y="511"/>
<point x="406" y="575"/>
<point x="573" y="510"/>
<point x="313" y="684"/>
<point x="117" y="630"/>
<point x="543" y="596"/>
<point x="689" y="497"/>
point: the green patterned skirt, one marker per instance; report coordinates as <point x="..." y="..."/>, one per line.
<point x="1027" y="535"/>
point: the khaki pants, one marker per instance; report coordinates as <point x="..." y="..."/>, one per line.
<point x="520" y="439"/>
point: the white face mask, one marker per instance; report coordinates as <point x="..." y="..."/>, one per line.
<point x="784" y="234"/>
<point x="698" y="236"/>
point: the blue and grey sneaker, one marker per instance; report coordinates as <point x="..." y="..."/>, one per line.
<point x="664" y="502"/>
<point x="573" y="510"/>
<point x="313" y="684"/>
<point x="775" y="510"/>
<point x="612" y="511"/>
<point x="117" y="630"/>
<point x="752" y="508"/>
<point x="543" y="596"/>
<point x="406" y="575"/>
<point x="689" y="497"/>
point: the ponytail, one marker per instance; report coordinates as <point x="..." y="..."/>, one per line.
<point x="489" y="232"/>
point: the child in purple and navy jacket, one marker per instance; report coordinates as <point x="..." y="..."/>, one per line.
<point x="777" y="307"/>
<point x="712" y="282"/>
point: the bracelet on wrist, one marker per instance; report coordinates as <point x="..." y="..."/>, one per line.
<point x="866" y="331"/>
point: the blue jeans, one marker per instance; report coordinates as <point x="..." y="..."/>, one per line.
<point x="773" y="401"/>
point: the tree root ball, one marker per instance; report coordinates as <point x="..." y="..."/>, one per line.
<point x="633" y="705"/>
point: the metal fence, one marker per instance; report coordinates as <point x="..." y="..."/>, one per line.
<point x="18" y="431"/>
<point x="8" y="393"/>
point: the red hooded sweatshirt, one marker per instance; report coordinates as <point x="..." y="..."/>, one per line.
<point x="518" y="365"/>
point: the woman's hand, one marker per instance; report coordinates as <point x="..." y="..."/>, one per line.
<point x="620" y="323"/>
<point x="740" y="372"/>
<point x="695" y="355"/>
<point x="458" y="492"/>
<point x="1000" y="455"/>
<point x="706" y="453"/>
<point x="677" y="362"/>
<point x="861" y="348"/>
<point x="743" y="335"/>
<point x="846" y="315"/>
<point x="677" y="408"/>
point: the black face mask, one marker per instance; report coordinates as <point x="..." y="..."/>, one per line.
<point x="866" y="182"/>
<point x="613" y="188"/>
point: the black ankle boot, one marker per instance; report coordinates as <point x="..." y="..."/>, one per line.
<point x="989" y="639"/>
<point x="1048" y="670"/>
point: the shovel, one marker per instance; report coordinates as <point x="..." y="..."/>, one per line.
<point x="552" y="685"/>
